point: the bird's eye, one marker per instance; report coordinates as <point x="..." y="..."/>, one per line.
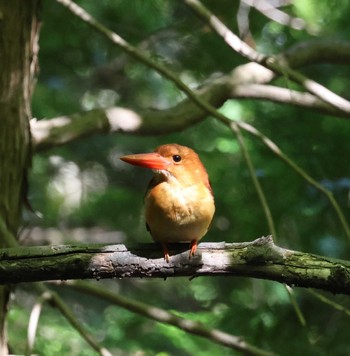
<point x="176" y="158"/>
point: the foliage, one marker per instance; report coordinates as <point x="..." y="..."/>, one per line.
<point x="83" y="184"/>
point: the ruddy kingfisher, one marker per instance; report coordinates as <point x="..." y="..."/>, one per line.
<point x="179" y="203"/>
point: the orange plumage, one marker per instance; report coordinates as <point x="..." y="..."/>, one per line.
<point x="179" y="204"/>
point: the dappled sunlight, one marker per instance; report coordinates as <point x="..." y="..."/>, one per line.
<point x="94" y="179"/>
<point x="66" y="185"/>
<point x="71" y="186"/>
<point x="101" y="99"/>
<point x="123" y="119"/>
<point x="41" y="128"/>
<point x="53" y="236"/>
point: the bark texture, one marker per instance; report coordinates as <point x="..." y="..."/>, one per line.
<point x="18" y="58"/>
<point x="258" y="259"/>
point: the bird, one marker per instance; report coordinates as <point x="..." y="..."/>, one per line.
<point x="179" y="203"/>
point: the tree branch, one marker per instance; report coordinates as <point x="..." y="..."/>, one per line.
<point x="258" y="259"/>
<point x="283" y="96"/>
<point x="252" y="172"/>
<point x="280" y="154"/>
<point x="60" y="130"/>
<point x="162" y="316"/>
<point x="273" y="63"/>
<point x="244" y="82"/>
<point x="55" y="300"/>
<point x="317" y="51"/>
<point x="272" y="12"/>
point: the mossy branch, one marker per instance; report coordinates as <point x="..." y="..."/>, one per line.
<point x="257" y="259"/>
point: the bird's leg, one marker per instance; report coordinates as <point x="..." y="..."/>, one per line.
<point x="193" y="248"/>
<point x="166" y="252"/>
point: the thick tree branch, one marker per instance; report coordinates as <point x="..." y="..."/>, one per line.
<point x="258" y="259"/>
<point x="317" y="51"/>
<point x="60" y="130"/>
<point x="245" y="82"/>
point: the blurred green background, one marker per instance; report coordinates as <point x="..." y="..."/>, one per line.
<point x="86" y="194"/>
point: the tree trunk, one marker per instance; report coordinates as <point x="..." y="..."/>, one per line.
<point x="19" y="29"/>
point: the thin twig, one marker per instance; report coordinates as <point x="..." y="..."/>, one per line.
<point x="266" y="209"/>
<point x="229" y="37"/>
<point x="154" y="313"/>
<point x="128" y="48"/>
<point x="67" y="313"/>
<point x="326" y="300"/>
<point x="55" y="300"/>
<point x="276" y="150"/>
<point x="272" y="12"/>
<point x="236" y="129"/>
<point x="272" y="63"/>
<point x="34" y="320"/>
<point x="296" y="307"/>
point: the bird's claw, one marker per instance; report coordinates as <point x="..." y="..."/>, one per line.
<point x="193" y="248"/>
<point x="166" y="252"/>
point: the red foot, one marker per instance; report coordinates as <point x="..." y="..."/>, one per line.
<point x="193" y="248"/>
<point x="166" y="252"/>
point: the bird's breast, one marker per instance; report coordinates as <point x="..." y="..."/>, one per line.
<point x="176" y="213"/>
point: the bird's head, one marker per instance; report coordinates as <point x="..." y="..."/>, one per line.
<point x="174" y="160"/>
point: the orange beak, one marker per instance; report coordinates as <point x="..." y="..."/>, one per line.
<point x="148" y="160"/>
